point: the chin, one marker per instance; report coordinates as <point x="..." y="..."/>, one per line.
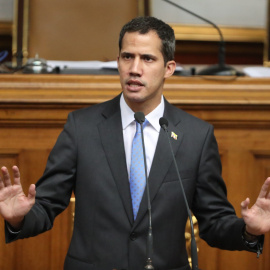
<point x="136" y="100"/>
<point x="132" y="95"/>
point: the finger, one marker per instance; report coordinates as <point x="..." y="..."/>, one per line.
<point x="1" y="180"/>
<point x="268" y="191"/>
<point x="1" y="183"/>
<point x="265" y="189"/>
<point x="16" y="175"/>
<point x="6" y="177"/>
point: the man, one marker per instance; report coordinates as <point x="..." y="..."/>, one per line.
<point x="93" y="157"/>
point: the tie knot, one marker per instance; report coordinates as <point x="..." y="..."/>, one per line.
<point x="138" y="128"/>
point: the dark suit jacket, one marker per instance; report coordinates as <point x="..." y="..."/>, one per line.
<point x="89" y="159"/>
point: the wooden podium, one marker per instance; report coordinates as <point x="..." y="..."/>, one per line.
<point x="34" y="108"/>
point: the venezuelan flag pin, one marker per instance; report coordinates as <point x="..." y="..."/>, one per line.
<point x="174" y="136"/>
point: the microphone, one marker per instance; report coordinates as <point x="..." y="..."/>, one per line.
<point x="140" y="118"/>
<point x="194" y="255"/>
<point x="221" y="68"/>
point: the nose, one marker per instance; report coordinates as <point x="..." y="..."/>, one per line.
<point x="136" y="67"/>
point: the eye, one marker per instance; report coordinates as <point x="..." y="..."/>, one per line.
<point x="126" y="56"/>
<point x="148" y="58"/>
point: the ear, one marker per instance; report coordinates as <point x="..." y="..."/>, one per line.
<point x="169" y="69"/>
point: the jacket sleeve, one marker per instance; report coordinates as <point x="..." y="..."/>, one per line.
<point x="218" y="224"/>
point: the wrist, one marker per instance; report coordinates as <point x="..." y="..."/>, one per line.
<point x="15" y="224"/>
<point x="253" y="242"/>
<point x="249" y="236"/>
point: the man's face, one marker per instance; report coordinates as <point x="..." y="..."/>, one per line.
<point x="142" y="71"/>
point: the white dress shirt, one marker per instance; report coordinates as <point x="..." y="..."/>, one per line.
<point x="150" y="132"/>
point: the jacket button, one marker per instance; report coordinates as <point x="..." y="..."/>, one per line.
<point x="133" y="236"/>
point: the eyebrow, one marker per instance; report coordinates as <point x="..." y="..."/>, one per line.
<point x="142" y="55"/>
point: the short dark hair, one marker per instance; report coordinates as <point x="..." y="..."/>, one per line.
<point x="145" y="24"/>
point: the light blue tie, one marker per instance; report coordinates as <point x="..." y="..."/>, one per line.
<point x="137" y="170"/>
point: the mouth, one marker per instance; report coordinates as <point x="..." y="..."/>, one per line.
<point x="134" y="84"/>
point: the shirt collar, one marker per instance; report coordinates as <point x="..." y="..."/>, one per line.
<point x="153" y="117"/>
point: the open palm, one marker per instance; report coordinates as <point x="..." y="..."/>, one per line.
<point x="257" y="218"/>
<point x="14" y="204"/>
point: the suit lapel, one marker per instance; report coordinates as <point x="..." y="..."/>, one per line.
<point x="163" y="157"/>
<point x="111" y="135"/>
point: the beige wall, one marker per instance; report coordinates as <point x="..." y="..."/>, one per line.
<point x="239" y="13"/>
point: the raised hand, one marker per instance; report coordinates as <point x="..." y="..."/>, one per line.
<point x="14" y="204"/>
<point x="257" y="218"/>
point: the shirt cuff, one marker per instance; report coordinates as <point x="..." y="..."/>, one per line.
<point x="11" y="230"/>
<point x="253" y="242"/>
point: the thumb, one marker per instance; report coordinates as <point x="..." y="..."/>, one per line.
<point x="32" y="193"/>
<point x="244" y="205"/>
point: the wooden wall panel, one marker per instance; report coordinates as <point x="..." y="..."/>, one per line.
<point x="77" y="30"/>
<point x="28" y="148"/>
<point x="33" y="110"/>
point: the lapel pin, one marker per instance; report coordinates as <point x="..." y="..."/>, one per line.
<point x="174" y="136"/>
